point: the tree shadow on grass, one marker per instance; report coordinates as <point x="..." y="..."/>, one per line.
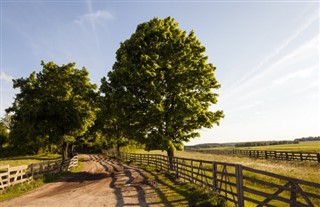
<point x="154" y="186"/>
<point x="161" y="194"/>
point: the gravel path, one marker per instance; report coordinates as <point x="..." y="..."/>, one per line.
<point x="102" y="183"/>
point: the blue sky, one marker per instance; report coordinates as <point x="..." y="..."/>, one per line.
<point x="266" y="54"/>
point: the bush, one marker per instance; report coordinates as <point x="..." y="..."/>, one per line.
<point x="200" y="197"/>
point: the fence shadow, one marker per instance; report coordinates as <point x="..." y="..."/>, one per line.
<point x="157" y="181"/>
<point x="238" y="184"/>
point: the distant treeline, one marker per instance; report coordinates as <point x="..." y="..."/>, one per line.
<point x="304" y="139"/>
<point x="253" y="144"/>
<point x="265" y="143"/>
<point x="210" y="145"/>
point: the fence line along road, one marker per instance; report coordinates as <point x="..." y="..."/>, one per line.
<point x="242" y="186"/>
<point x="13" y="175"/>
<point x="262" y="154"/>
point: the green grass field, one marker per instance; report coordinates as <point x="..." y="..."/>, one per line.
<point x="312" y="146"/>
<point x="308" y="171"/>
<point x="26" y="160"/>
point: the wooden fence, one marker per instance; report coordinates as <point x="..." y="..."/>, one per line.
<point x="13" y="175"/>
<point x="278" y="155"/>
<point x="240" y="185"/>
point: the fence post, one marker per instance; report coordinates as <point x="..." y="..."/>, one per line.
<point x="293" y="196"/>
<point x="140" y="159"/>
<point x="177" y="171"/>
<point x="214" y="176"/>
<point x="32" y="171"/>
<point x="9" y="177"/>
<point x="239" y="178"/>
<point x="318" y="157"/>
<point x="301" y="157"/>
<point x="192" y="181"/>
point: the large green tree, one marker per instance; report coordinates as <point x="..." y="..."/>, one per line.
<point x="55" y="106"/>
<point x="163" y="85"/>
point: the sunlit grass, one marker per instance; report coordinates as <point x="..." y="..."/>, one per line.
<point x="311" y="146"/>
<point x="26" y="160"/>
<point x="308" y="171"/>
<point x="178" y="194"/>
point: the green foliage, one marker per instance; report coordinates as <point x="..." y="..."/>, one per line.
<point x="111" y="120"/>
<point x="4" y="135"/>
<point x="132" y="146"/>
<point x="161" y="86"/>
<point x="200" y="197"/>
<point x="303" y="139"/>
<point x="55" y="106"/>
<point x="265" y="143"/>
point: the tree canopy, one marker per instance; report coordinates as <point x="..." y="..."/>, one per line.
<point x="54" y="106"/>
<point x="159" y="93"/>
<point x="163" y="86"/>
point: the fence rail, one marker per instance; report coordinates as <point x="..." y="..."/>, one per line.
<point x="242" y="186"/>
<point x="13" y="175"/>
<point x="261" y="154"/>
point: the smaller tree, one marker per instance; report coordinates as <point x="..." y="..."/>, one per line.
<point x="55" y="106"/>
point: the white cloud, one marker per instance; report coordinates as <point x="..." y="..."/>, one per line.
<point x="303" y="54"/>
<point x="94" y="17"/>
<point x="5" y="77"/>
<point x="270" y="58"/>
<point x="305" y="73"/>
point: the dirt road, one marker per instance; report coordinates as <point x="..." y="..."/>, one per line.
<point x="102" y="183"/>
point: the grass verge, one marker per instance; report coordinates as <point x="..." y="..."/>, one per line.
<point x="173" y="193"/>
<point x="308" y="171"/>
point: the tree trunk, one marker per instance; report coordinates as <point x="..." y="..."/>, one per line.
<point x="118" y="148"/>
<point x="65" y="150"/>
<point x="170" y="154"/>
<point x="71" y="151"/>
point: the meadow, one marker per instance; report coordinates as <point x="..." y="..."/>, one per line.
<point x="300" y="170"/>
<point x="308" y="146"/>
<point x="26" y="160"/>
<point x="292" y="169"/>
